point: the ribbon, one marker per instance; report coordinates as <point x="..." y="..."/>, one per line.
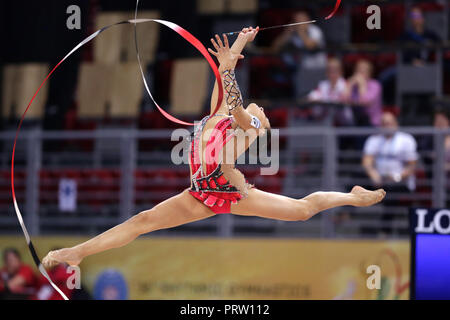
<point x="193" y="41"/>
<point x="336" y="7"/>
<point x="183" y="33"/>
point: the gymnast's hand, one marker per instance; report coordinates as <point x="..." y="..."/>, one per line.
<point x="249" y="34"/>
<point x="226" y="57"/>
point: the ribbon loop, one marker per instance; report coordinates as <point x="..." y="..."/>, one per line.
<point x="183" y="33"/>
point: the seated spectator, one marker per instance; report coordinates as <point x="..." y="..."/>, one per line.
<point x="307" y="37"/>
<point x="17" y="280"/>
<point x="365" y="93"/>
<point x="419" y="35"/>
<point x="332" y="90"/>
<point x="390" y="157"/>
<point x="427" y="144"/>
<point x="441" y="121"/>
<point x="60" y="276"/>
<point x="301" y="50"/>
<point x="389" y="160"/>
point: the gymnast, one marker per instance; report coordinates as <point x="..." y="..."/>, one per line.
<point x="217" y="187"/>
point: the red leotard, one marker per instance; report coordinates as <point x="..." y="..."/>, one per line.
<point x="211" y="187"/>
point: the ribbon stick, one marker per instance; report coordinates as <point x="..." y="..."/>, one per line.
<point x="276" y="27"/>
<point x="336" y="7"/>
<point x="182" y="32"/>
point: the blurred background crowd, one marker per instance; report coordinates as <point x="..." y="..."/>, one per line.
<point x="354" y="105"/>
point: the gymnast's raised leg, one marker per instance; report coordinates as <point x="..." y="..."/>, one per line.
<point x="178" y="210"/>
<point x="274" y="206"/>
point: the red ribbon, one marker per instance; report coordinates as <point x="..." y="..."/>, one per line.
<point x="201" y="48"/>
<point x="336" y="7"/>
<point x="183" y="33"/>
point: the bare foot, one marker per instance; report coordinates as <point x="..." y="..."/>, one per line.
<point x="365" y="198"/>
<point x="56" y="257"/>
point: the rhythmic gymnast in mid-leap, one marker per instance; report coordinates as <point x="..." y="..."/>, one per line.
<point x="217" y="187"/>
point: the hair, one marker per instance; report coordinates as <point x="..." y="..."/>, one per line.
<point x="306" y="10"/>
<point x="335" y="60"/>
<point x="415" y="8"/>
<point x="390" y="112"/>
<point x="443" y="112"/>
<point x="14" y="251"/>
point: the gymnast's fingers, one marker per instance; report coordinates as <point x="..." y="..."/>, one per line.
<point x="214" y="44"/>
<point x="225" y="39"/>
<point x="213" y="52"/>
<point x="219" y="41"/>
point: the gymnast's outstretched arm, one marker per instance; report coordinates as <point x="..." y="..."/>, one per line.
<point x="228" y="58"/>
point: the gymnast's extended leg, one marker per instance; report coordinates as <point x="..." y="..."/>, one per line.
<point x="273" y="206"/>
<point x="178" y="210"/>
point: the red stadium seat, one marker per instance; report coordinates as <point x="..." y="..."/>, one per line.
<point x="278" y="117"/>
<point x="261" y="77"/>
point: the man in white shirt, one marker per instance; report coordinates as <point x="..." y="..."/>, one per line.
<point x="391" y="157"/>
<point x="390" y="161"/>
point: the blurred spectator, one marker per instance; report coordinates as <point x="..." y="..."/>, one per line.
<point x="59" y="276"/>
<point x="17" y="280"/>
<point x="306" y="37"/>
<point x="390" y="157"/>
<point x="420" y="35"/>
<point x="390" y="160"/>
<point x="417" y="35"/>
<point x="301" y="48"/>
<point x="365" y="93"/>
<point x="332" y="90"/>
<point x="441" y="121"/>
